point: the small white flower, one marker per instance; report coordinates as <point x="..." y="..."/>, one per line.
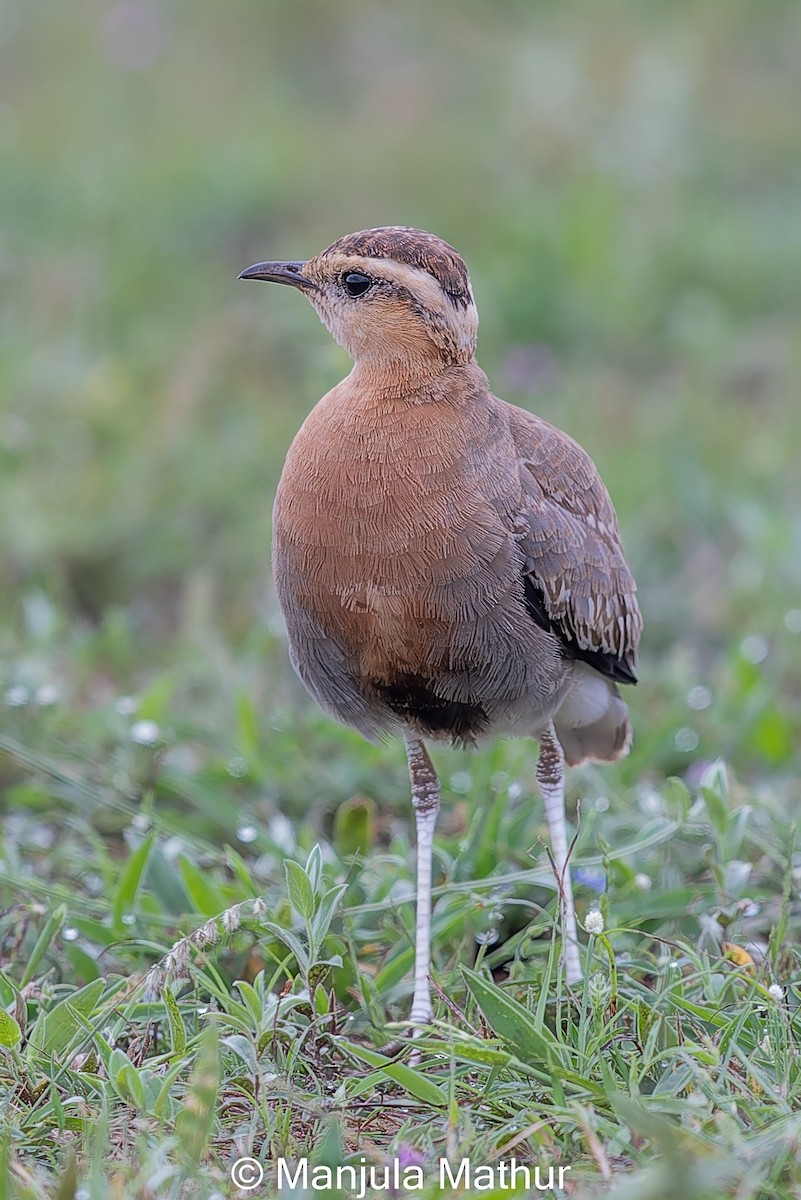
<point x="594" y="922"/>
<point x="17" y="696"/>
<point x="776" y="992"/>
<point x="259" y="907"/>
<point x="126" y="706"/>
<point x="46" y="695"/>
<point x="643" y="882"/>
<point x="145" y="733"/>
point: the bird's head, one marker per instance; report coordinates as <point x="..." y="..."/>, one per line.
<point x="398" y="300"/>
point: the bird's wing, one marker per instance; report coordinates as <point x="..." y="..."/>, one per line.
<point x="577" y="582"/>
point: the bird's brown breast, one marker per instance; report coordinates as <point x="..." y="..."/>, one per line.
<point x="387" y="532"/>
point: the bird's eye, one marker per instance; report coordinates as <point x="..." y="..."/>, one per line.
<point x="356" y="284"/>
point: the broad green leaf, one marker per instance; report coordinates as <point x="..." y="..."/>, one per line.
<point x="135" y="1085"/>
<point x="252" y="1001"/>
<point x="318" y="971"/>
<point x="314" y="866"/>
<point x="299" y="887"/>
<point x="473" y="1049"/>
<point x="10" y="1032"/>
<point x="244" y="1048"/>
<point x="292" y="943"/>
<point x="527" y="1040"/>
<point x="117" y="1060"/>
<point x="705" y="1014"/>
<point x="412" y="1081"/>
<point x="321" y="921"/>
<point x="62" y="1022"/>
<point x="129" y="1086"/>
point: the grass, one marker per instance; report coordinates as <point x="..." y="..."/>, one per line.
<point x="206" y="887"/>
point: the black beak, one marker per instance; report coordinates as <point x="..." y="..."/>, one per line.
<point x="280" y="272"/>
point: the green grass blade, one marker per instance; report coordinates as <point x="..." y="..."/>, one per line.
<point x="124" y="903"/>
<point x="195" y="1122"/>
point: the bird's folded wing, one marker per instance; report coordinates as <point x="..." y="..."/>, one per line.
<point x="578" y="584"/>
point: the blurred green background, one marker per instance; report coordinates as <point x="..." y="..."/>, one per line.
<point x="623" y="181"/>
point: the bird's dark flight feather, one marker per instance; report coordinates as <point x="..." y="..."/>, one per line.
<point x="606" y="664"/>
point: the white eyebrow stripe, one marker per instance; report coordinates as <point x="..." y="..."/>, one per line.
<point x="462" y="322"/>
<point x="416" y="280"/>
<point x="459" y="323"/>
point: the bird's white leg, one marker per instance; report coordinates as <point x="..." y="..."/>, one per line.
<point x="425" y="799"/>
<point x="551" y="778"/>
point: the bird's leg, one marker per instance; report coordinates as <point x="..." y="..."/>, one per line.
<point x="425" y="799"/>
<point x="551" y="778"/>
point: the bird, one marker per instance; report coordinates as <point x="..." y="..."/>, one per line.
<point x="449" y="566"/>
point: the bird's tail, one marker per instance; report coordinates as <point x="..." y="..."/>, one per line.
<point x="592" y="721"/>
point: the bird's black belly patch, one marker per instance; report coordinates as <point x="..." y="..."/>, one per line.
<point x="413" y="699"/>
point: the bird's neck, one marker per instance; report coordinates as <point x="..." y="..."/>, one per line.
<point x="413" y="377"/>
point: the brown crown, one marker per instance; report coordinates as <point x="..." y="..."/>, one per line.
<point x="414" y="248"/>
